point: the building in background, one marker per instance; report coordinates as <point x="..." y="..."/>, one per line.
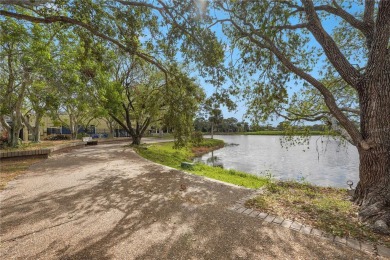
<point x="97" y="128"/>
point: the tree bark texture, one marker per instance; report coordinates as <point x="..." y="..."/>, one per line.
<point x="16" y="126"/>
<point x="36" y="136"/>
<point x="136" y="140"/>
<point x="35" y="130"/>
<point x="373" y="190"/>
<point x="14" y="135"/>
<point x="73" y="126"/>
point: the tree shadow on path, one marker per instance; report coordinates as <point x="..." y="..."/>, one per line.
<point x="156" y="213"/>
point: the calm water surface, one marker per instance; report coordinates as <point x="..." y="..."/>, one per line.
<point x="324" y="162"/>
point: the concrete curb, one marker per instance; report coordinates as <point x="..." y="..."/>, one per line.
<point x="374" y="249"/>
<point x="45" y="152"/>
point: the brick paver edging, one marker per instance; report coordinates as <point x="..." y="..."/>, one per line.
<point x="374" y="249"/>
<point x="47" y="151"/>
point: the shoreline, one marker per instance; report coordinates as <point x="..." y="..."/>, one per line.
<point x="163" y="153"/>
<point x="326" y="208"/>
<point x="275" y="133"/>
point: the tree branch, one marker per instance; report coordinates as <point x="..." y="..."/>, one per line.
<point x="120" y="122"/>
<point x="4" y="123"/>
<point x="341" y="131"/>
<point x="64" y="19"/>
<point x="369" y="8"/>
<point x="291" y="26"/>
<point x="328" y="96"/>
<point x="310" y="118"/>
<point x="379" y="51"/>
<point x="25" y="2"/>
<point x="139" y="4"/>
<point x="332" y="52"/>
<point x="351" y="110"/>
<point x="145" y="125"/>
<point x="338" y="11"/>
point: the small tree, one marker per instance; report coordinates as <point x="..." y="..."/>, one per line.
<point x="215" y="118"/>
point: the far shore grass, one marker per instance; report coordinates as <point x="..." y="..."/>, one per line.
<point x="280" y="132"/>
<point x="165" y="154"/>
<point x="274" y="132"/>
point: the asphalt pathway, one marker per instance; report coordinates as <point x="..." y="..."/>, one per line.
<point x="106" y="202"/>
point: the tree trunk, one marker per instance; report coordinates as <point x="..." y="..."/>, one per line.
<point x="136" y="140"/>
<point x="111" y="127"/>
<point x="73" y="127"/>
<point x="14" y="135"/>
<point x="15" y="128"/>
<point x="36" y="136"/>
<point x="373" y="190"/>
<point x="112" y="132"/>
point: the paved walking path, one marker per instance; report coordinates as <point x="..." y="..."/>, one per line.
<point x="106" y="202"/>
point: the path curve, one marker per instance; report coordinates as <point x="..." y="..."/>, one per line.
<point x="106" y="202"/>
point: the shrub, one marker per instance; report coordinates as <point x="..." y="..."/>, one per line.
<point x="3" y="141"/>
<point x="196" y="138"/>
<point x="58" y="137"/>
<point x="81" y="135"/>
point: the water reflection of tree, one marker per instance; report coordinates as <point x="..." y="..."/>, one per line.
<point x="214" y="161"/>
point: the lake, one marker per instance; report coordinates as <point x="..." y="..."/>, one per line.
<point x="325" y="161"/>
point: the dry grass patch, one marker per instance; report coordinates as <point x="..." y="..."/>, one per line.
<point x="10" y="169"/>
<point x="327" y="209"/>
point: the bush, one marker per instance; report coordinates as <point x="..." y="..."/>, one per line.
<point x="3" y="141"/>
<point x="215" y="143"/>
<point x="81" y="135"/>
<point x="196" y="138"/>
<point x="58" y="137"/>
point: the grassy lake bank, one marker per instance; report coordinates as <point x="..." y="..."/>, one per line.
<point x="165" y="154"/>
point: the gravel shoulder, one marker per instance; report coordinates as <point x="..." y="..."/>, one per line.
<point x="106" y="202"/>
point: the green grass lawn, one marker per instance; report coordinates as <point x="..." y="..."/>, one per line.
<point x="165" y="154"/>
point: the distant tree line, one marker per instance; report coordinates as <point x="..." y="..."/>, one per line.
<point x="224" y="125"/>
<point x="233" y="125"/>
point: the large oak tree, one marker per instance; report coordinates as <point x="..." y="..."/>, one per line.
<point x="137" y="95"/>
<point x="283" y="41"/>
